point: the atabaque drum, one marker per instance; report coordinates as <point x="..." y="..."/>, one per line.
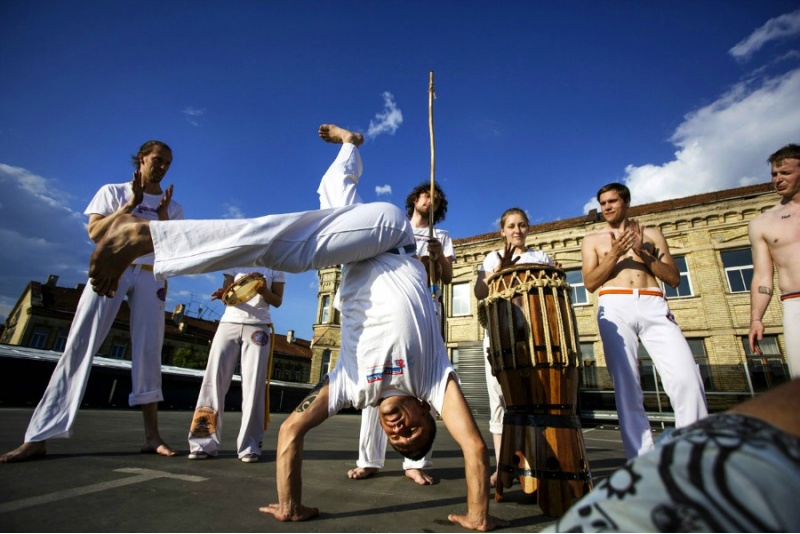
<point x="535" y="355"/>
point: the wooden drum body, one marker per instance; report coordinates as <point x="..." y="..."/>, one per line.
<point x="534" y="353"/>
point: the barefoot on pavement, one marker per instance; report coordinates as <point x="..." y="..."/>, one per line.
<point x="362" y="472"/>
<point x="158" y="448"/>
<point x="331" y="133"/>
<point x="420" y="477"/>
<point x="27" y="451"/>
<point x="289" y="513"/>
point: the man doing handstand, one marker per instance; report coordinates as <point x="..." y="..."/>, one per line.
<point x="392" y="355"/>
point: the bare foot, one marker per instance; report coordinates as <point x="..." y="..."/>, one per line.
<point x="27" y="451"/>
<point x="158" y="448"/>
<point x="289" y="513"/>
<point x="483" y="525"/>
<point x="125" y="240"/>
<point x="330" y="133"/>
<point x="362" y="472"/>
<point x="419" y="476"/>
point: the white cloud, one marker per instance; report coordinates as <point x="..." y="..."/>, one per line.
<point x="723" y="145"/>
<point x="232" y="211"/>
<point x="193" y="114"/>
<point x="43" y="189"/>
<point x="383" y="190"/>
<point x="41" y="235"/>
<point x="781" y="27"/>
<point x="388" y="121"/>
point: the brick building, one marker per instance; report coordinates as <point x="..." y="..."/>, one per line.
<point x="42" y="317"/>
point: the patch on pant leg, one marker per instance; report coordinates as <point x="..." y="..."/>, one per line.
<point x="204" y="422"/>
<point x="260" y="337"/>
<point x="671" y="317"/>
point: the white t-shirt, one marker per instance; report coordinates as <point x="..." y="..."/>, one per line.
<point x="255" y="310"/>
<point x="112" y="197"/>
<point x="381" y="299"/>
<point x="421" y="236"/>
<point x="492" y="260"/>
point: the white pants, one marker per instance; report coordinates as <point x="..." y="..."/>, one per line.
<point x="290" y="242"/>
<point x="623" y="321"/>
<point x="293" y="242"/>
<point x="497" y="402"/>
<point x="233" y="342"/>
<point x="338" y="189"/>
<point x="94" y="316"/>
<point x="791" y="334"/>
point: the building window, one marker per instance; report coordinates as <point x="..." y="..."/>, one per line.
<point x="118" y="350"/>
<point x="277" y="370"/>
<point x="769" y="369"/>
<point x="684" y="288"/>
<point x="325" y="315"/>
<point x="588" y="377"/>
<point x="461" y="299"/>
<point x="738" y="269"/>
<point x="326" y="362"/>
<point x="698" y="347"/>
<point x="579" y="294"/>
<point x="39" y="337"/>
<point x="61" y="340"/>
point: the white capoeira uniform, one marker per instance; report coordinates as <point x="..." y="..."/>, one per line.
<point x="497" y="403"/>
<point x="390" y="343"/>
<point x="372" y="438"/>
<point x="94" y="316"/>
<point x="243" y="335"/>
<point x="624" y="317"/>
<point x="791" y="331"/>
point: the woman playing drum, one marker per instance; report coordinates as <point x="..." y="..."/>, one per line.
<point x="514" y="226"/>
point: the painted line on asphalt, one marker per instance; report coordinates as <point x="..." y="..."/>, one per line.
<point x="142" y="475"/>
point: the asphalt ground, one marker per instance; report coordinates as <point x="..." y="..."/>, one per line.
<point x="98" y="481"/>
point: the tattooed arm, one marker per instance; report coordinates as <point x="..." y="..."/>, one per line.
<point x="761" y="285"/>
<point x="289" y="456"/>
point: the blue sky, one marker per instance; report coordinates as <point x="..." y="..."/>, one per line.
<point x="538" y="104"/>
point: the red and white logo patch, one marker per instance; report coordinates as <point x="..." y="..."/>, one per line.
<point x="260" y="337"/>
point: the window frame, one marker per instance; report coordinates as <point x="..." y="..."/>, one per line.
<point x="460" y="300"/>
<point x="685" y="276"/>
<point x="741" y="269"/>
<point x="325" y="309"/>
<point x="39" y="337"/>
<point x="577" y="287"/>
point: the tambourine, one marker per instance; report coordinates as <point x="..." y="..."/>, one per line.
<point x="243" y="289"/>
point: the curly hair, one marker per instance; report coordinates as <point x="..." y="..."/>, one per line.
<point x="441" y="208"/>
